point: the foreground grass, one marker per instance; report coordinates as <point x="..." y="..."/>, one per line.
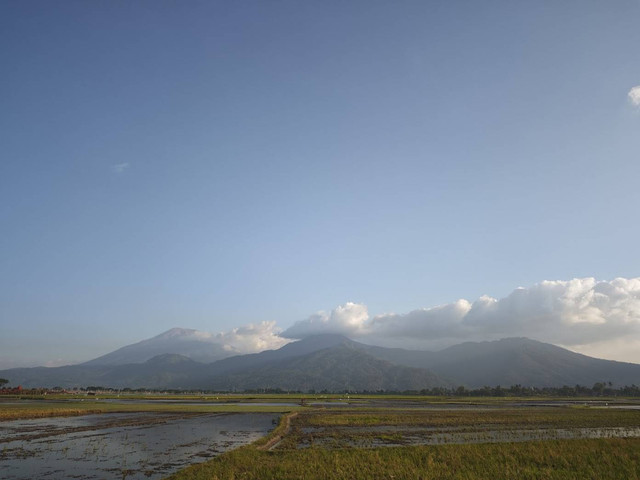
<point x="54" y="409"/>
<point x="553" y="459"/>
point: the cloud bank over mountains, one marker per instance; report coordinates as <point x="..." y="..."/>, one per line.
<point x="252" y="338"/>
<point x="597" y="318"/>
<point x="593" y="317"/>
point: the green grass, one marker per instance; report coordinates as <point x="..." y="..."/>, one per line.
<point x="560" y="417"/>
<point x="56" y="409"/>
<point x="561" y="460"/>
<point x="288" y="397"/>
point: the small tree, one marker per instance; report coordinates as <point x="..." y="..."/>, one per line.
<point x="3" y="382"/>
<point x="598" y="388"/>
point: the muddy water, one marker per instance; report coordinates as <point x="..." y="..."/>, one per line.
<point x="121" y="446"/>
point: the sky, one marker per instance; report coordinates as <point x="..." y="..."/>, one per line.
<point x="270" y="165"/>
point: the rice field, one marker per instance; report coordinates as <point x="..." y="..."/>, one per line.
<point x="490" y="443"/>
<point x="384" y="437"/>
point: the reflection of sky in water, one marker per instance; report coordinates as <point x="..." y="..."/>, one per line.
<point x="106" y="451"/>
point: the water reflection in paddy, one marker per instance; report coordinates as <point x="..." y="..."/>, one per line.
<point x="117" y="446"/>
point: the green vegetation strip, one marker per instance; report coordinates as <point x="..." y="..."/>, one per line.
<point x="331" y="397"/>
<point x="52" y="409"/>
<point x="561" y="417"/>
<point x="553" y="459"/>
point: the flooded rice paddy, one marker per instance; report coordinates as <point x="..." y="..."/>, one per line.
<point x="391" y="425"/>
<point x="383" y="436"/>
<point x="121" y="446"/>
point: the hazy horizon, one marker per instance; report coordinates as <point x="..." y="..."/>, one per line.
<point x="420" y="173"/>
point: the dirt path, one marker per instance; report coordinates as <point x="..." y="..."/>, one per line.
<point x="273" y="442"/>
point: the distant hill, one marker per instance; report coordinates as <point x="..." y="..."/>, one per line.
<point x="162" y="371"/>
<point x="294" y="349"/>
<point x="334" y="363"/>
<point x="325" y="362"/>
<point x="198" y="346"/>
<point x="512" y="361"/>
<point x="340" y="367"/>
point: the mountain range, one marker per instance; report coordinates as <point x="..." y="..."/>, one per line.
<point x="187" y="359"/>
<point x="199" y="346"/>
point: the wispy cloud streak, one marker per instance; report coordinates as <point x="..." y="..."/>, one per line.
<point x="119" y="168"/>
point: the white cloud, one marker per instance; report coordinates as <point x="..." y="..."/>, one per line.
<point x="348" y="319"/>
<point x="120" y="167"/>
<point x="634" y="96"/>
<point x="249" y="338"/>
<point x="253" y="338"/>
<point x="580" y="313"/>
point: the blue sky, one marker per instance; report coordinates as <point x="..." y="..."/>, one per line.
<point x="212" y="164"/>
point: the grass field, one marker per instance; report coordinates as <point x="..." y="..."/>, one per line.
<point x="560" y="417"/>
<point x="72" y="408"/>
<point x="612" y="458"/>
<point x="292" y="397"/>
<point x="568" y="459"/>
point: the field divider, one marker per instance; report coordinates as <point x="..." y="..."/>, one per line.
<point x="279" y="433"/>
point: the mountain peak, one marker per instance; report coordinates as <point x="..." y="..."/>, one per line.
<point x="316" y="342"/>
<point x="200" y="346"/>
<point x="178" y="332"/>
<point x="334" y="338"/>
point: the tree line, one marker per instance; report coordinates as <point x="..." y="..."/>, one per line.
<point x="599" y="389"/>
